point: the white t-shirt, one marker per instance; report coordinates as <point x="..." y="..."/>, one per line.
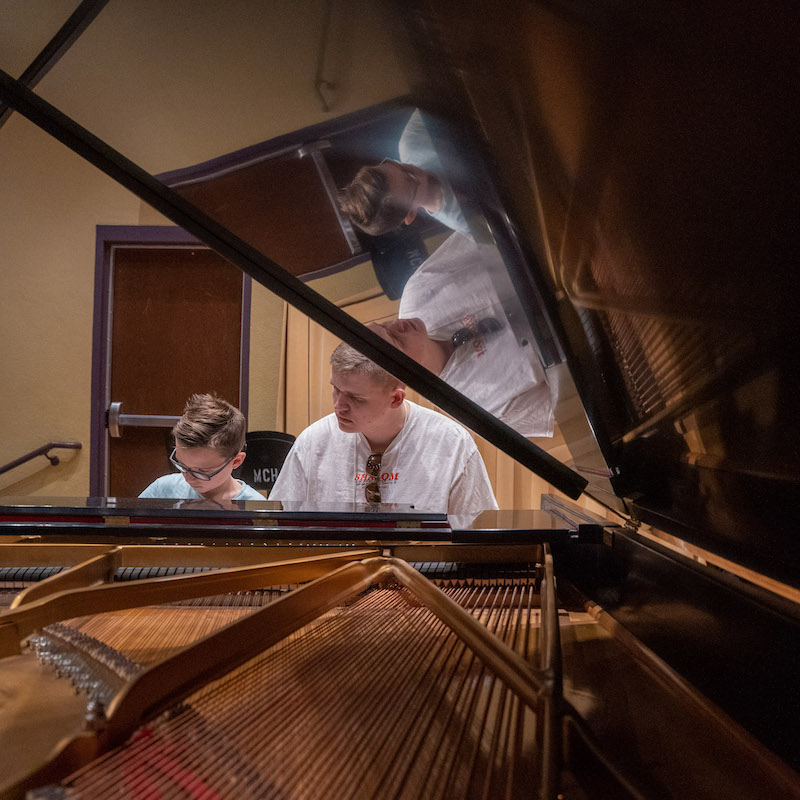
<point x="454" y="289"/>
<point x="175" y="487"/>
<point x="432" y="464"/>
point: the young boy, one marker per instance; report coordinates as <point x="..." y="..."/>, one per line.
<point x="209" y="445"/>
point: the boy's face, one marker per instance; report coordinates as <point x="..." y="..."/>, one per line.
<point x="410" y="187"/>
<point x="206" y="460"/>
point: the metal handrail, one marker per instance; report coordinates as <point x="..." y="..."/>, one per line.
<point x="42" y="451"/>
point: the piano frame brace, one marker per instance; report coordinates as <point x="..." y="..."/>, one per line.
<point x="35" y="614"/>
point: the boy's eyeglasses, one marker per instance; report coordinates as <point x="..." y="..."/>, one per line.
<point x="412" y="177"/>
<point x="372" y="489"/>
<point x="200" y="474"/>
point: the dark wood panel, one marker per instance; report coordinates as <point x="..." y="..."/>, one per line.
<point x="279" y="206"/>
<point x="176" y="328"/>
<point x="137" y="459"/>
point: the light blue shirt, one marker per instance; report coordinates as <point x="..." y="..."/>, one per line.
<point x="174" y="487"/>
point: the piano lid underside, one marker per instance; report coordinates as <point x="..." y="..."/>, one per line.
<point x="646" y="159"/>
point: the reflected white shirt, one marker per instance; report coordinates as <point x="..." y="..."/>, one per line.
<point x="454" y="289"/>
<point x="432" y="464"/>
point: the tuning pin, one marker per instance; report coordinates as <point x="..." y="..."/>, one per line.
<point x="51" y="792"/>
<point x="95" y="718"/>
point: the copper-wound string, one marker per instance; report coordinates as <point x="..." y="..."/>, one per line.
<point x="461" y="753"/>
<point x="397" y="770"/>
<point x="464" y="740"/>
<point x="384" y="707"/>
<point x="304" y="706"/>
<point x="411" y="722"/>
<point x="415" y="760"/>
<point x="178" y="729"/>
<point x="454" y="723"/>
<point x="470" y="771"/>
<point x="451" y="747"/>
<point x="112" y="778"/>
<point x="343" y="722"/>
<point x="494" y="700"/>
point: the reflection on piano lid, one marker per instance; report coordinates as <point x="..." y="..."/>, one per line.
<point x="634" y="167"/>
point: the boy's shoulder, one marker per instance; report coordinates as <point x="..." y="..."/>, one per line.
<point x="247" y="492"/>
<point x="171" y="486"/>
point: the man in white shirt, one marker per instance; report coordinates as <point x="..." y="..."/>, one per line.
<point x="378" y="447"/>
<point x="452" y="322"/>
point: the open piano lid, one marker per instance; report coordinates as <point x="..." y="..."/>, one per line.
<point x="640" y="163"/>
<point x="634" y="167"/>
<point x="647" y="159"/>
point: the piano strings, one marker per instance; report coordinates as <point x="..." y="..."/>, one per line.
<point x="333" y="691"/>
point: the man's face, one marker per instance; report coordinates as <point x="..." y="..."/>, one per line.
<point x="206" y="460"/>
<point x="360" y="403"/>
<point x="410" y="336"/>
<point x="409" y="186"/>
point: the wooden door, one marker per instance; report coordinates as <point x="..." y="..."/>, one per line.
<point x="176" y="330"/>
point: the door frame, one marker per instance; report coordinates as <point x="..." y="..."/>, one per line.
<point x="110" y="238"/>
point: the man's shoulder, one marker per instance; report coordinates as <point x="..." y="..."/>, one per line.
<point x="324" y="426"/>
<point x="427" y="421"/>
<point x="321" y="433"/>
<point x="415" y="145"/>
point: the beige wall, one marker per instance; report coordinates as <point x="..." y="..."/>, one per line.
<point x="169" y="83"/>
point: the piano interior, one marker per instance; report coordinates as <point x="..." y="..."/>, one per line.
<point x="633" y="634"/>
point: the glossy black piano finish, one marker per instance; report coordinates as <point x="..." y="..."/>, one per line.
<point x="117" y="519"/>
<point x="647" y="161"/>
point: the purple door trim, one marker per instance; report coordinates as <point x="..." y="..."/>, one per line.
<point x="107" y="238"/>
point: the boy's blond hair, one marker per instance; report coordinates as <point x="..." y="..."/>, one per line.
<point x="210" y="421"/>
<point x="346" y="360"/>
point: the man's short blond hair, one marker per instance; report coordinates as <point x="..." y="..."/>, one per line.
<point x="367" y="202"/>
<point x="210" y="421"/>
<point x="346" y="360"/>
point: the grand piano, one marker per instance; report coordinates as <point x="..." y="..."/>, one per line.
<point x="633" y="165"/>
